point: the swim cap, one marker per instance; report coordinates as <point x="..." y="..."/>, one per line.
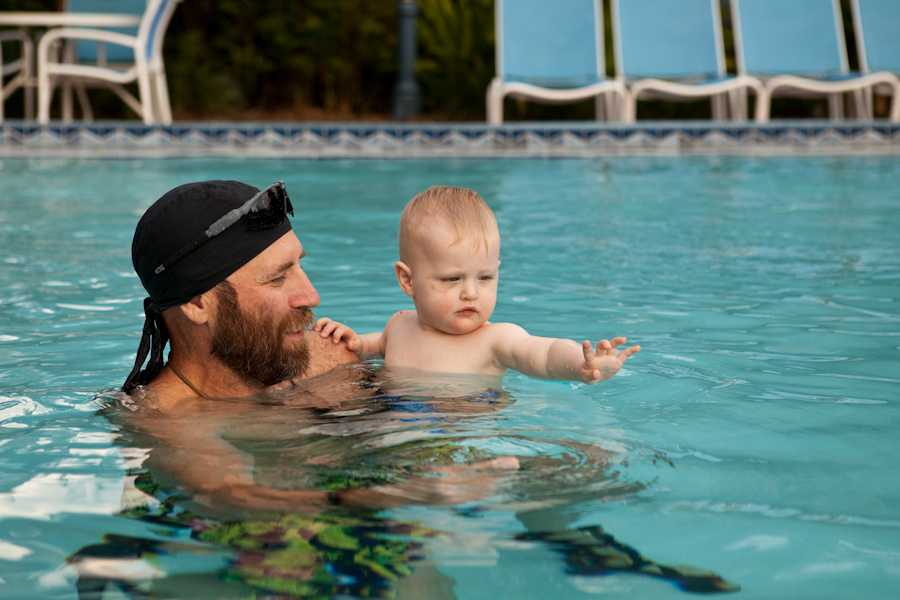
<point x="172" y="222"/>
<point x="180" y="216"/>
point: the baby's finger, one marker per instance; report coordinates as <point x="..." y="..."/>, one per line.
<point x="588" y="350"/>
<point x="604" y="347"/>
<point x="628" y="352"/>
<point x="326" y="328"/>
<point x="618" y="341"/>
<point x="320" y="323"/>
<point x="340" y="332"/>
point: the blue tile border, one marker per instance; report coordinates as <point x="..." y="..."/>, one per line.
<point x="128" y="139"/>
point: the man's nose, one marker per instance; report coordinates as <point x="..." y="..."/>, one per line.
<point x="303" y="294"/>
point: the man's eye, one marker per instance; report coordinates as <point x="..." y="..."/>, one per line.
<point x="278" y="279"/>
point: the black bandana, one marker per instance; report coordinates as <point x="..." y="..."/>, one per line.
<point x="170" y="223"/>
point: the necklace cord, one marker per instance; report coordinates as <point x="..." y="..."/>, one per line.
<point x="188" y="383"/>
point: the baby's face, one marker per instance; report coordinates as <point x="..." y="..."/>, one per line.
<point x="455" y="285"/>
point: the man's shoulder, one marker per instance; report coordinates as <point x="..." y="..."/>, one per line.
<point x="325" y="355"/>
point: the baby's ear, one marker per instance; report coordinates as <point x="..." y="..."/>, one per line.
<point x="404" y="277"/>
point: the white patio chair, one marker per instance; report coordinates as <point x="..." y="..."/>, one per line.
<point x="83" y="51"/>
<point x="146" y="68"/>
<point x="20" y="69"/>
<point x="878" y="45"/>
<point x="551" y="52"/>
<point x="673" y="50"/>
<point x="797" y="47"/>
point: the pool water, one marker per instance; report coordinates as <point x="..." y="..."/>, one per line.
<point x="753" y="437"/>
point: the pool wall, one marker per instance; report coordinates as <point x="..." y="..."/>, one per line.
<point x="129" y="139"/>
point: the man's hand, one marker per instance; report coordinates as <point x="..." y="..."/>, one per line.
<point x="326" y="327"/>
<point x="605" y="362"/>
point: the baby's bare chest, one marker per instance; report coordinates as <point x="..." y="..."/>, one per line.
<point x="438" y="351"/>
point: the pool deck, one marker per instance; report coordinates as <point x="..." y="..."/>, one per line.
<point x="318" y="140"/>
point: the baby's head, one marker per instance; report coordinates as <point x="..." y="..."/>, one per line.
<point x="449" y="258"/>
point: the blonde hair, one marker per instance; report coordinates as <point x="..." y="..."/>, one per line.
<point x="462" y="207"/>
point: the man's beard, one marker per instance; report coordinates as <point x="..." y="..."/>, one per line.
<point x="253" y="345"/>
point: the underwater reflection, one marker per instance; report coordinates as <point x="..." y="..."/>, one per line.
<point x="282" y="495"/>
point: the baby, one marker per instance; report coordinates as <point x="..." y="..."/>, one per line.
<point x="449" y="263"/>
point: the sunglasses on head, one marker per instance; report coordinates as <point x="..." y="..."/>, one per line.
<point x="265" y="210"/>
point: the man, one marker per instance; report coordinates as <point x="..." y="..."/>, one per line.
<point x="222" y="268"/>
<point x="221" y="265"/>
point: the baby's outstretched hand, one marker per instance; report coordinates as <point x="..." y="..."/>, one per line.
<point x="338" y="331"/>
<point x="605" y="362"/>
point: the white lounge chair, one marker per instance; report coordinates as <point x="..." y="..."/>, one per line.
<point x="875" y="24"/>
<point x="551" y="52"/>
<point x="145" y="67"/>
<point x="673" y="50"/>
<point x="797" y="47"/>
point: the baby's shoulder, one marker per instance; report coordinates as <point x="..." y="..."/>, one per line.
<point x="401" y="318"/>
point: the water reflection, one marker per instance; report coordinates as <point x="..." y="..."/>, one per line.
<point x="283" y="495"/>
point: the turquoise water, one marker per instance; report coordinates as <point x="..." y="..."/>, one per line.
<point x="753" y="436"/>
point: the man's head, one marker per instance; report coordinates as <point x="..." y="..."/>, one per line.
<point x="449" y="258"/>
<point x="181" y="264"/>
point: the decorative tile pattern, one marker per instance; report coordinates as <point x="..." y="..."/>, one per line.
<point x="396" y="140"/>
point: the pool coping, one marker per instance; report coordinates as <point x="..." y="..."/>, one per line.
<point x="323" y="140"/>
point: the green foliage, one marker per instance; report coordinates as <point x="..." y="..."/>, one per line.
<point x="339" y="55"/>
<point x="456" y="41"/>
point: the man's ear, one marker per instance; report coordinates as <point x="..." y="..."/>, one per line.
<point x="199" y="309"/>
<point x="404" y="277"/>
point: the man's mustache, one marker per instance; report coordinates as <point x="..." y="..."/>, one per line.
<point x="297" y="320"/>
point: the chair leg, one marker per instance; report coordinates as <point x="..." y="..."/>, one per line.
<point x="67" y="106"/>
<point x="28" y="56"/>
<point x="67" y="102"/>
<point x="835" y="107"/>
<point x="495" y="102"/>
<point x="763" y="105"/>
<point x="719" y="110"/>
<point x="45" y="96"/>
<point x="613" y="107"/>
<point x="629" y="108"/>
<point x="738" y="104"/>
<point x="86" y="112"/>
<point x="163" y="108"/>
<point x="145" y="94"/>
<point x="599" y="108"/>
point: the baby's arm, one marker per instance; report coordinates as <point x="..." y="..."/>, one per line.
<point x="558" y="359"/>
<point x="368" y="345"/>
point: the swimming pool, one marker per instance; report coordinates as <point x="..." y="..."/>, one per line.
<point x="753" y="436"/>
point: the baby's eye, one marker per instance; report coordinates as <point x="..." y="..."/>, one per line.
<point x="451" y="279"/>
<point x="486" y="277"/>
